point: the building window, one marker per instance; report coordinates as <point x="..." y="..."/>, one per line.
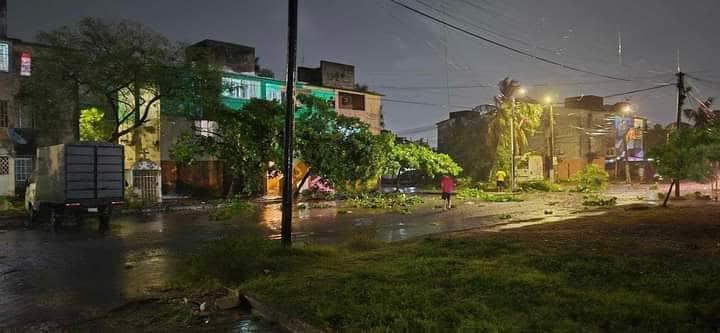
<point x="273" y="92"/>
<point x="352" y="101"/>
<point x="4" y="57"/>
<point x="206" y="128"/>
<point x="4" y="120"/>
<point x="4" y="165"/>
<point x="239" y="88"/>
<point x="638" y="123"/>
<point x="23" y="169"/>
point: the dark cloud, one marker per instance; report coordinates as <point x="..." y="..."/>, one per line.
<point x="393" y="47"/>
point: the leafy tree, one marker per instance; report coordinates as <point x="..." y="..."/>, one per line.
<point x="246" y="141"/>
<point x="94" y="126"/>
<point x="262" y="71"/>
<point x="409" y="156"/>
<point x="686" y="154"/>
<point x="337" y="148"/>
<point x="527" y="119"/>
<point x="52" y="93"/>
<point x="123" y="66"/>
<point x="656" y="136"/>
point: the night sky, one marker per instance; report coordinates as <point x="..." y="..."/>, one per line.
<point x="394" y="48"/>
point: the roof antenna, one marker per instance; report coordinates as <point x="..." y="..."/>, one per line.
<point x="620" y="59"/>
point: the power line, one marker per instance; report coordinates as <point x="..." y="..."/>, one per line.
<point x="507" y="47"/>
<point x="639" y="90"/>
<point x="702" y="79"/>
<point x="424" y="103"/>
<point x="488" y="85"/>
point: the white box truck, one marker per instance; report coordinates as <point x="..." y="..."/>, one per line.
<point x="76" y="179"/>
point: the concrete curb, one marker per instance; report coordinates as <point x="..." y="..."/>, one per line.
<point x="285" y="321"/>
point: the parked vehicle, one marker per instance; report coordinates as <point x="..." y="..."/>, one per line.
<point x="75" y="180"/>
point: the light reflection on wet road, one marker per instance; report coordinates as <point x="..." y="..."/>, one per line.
<point x="60" y="277"/>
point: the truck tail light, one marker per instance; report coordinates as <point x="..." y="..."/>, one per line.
<point x="72" y="205"/>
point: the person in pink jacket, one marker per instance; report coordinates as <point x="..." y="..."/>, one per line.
<point x="448" y="186"/>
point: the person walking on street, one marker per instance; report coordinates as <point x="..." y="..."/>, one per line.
<point x="447" y="185"/>
<point x="500" y="180"/>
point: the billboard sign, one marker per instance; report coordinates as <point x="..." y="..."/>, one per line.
<point x="629" y="138"/>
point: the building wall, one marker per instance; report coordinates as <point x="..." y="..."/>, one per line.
<point x="20" y="120"/>
<point x="372" y="113"/>
<point x="577" y="139"/>
<point x="144" y="142"/>
<point x="464" y="138"/>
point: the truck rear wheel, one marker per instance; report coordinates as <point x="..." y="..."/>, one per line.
<point x="55" y="219"/>
<point x="31" y="217"/>
<point x="105" y="219"/>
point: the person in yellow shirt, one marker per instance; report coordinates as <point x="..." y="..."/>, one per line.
<point x="500" y="180"/>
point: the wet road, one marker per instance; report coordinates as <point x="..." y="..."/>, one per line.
<point x="59" y="277"/>
<point x="50" y="278"/>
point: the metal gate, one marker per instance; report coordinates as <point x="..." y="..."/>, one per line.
<point x="23" y="170"/>
<point x="147" y="182"/>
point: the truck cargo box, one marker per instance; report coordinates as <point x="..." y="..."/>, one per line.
<point x="80" y="172"/>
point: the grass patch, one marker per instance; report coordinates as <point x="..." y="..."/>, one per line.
<point x="496" y="285"/>
<point x="399" y="202"/>
<point x="231" y="208"/>
<point x="479" y="194"/>
<point x="232" y="260"/>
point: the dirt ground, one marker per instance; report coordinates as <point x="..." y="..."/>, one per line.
<point x="687" y="228"/>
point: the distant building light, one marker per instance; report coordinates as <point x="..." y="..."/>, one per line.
<point x="25" y="64"/>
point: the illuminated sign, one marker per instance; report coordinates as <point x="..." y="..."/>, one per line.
<point x="629" y="138"/>
<point x="25" y="64"/>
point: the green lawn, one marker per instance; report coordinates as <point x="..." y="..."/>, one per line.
<point x="519" y="281"/>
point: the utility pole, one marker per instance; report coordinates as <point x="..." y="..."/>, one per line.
<point x="512" y="146"/>
<point x="287" y="200"/>
<point x="680" y="101"/>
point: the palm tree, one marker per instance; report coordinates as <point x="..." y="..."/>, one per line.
<point x="526" y="116"/>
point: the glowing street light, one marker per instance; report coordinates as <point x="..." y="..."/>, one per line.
<point x="522" y="91"/>
<point x="548" y="100"/>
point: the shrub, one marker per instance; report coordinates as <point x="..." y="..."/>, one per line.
<point x="599" y="201"/>
<point x="591" y="179"/>
<point x="364" y="239"/>
<point x="133" y="198"/>
<point x="231" y="208"/>
<point x="479" y="194"/>
<point x="539" y="186"/>
<point x="316" y="193"/>
<point x="396" y="201"/>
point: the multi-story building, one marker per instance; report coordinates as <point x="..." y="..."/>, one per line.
<point x="464" y="137"/>
<point x="584" y="131"/>
<point x="18" y="137"/>
<point x="241" y="85"/>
